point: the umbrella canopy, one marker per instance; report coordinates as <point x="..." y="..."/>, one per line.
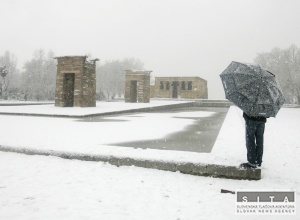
<point x="252" y="89"/>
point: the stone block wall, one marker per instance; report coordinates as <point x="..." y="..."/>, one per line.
<point x="180" y="87"/>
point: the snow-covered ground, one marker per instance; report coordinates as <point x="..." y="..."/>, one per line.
<point x="37" y="187"/>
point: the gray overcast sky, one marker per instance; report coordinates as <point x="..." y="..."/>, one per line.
<point x="171" y="37"/>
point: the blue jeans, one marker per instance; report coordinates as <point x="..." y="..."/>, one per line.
<point x="255" y="141"/>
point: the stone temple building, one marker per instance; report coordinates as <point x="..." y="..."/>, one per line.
<point x="137" y="86"/>
<point x="75" y="82"/>
<point x="179" y="87"/>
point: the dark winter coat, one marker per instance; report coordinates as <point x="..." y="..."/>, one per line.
<point x="258" y="118"/>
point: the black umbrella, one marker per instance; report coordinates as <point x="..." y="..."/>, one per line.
<point x="252" y="89"/>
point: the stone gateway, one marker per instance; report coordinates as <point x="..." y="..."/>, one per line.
<point x="75" y="82"/>
<point x="137" y="86"/>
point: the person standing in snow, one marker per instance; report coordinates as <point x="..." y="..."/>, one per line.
<point x="255" y="127"/>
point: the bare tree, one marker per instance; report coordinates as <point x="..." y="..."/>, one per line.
<point x="285" y="64"/>
<point x="38" y="77"/>
<point x="111" y="77"/>
<point x="8" y="69"/>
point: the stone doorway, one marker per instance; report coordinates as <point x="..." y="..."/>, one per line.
<point x="175" y="85"/>
<point x="133" y="91"/>
<point x="68" y="89"/>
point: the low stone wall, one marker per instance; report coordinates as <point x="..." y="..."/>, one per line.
<point x="198" y="169"/>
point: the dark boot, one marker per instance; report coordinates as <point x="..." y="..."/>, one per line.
<point x="247" y="166"/>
